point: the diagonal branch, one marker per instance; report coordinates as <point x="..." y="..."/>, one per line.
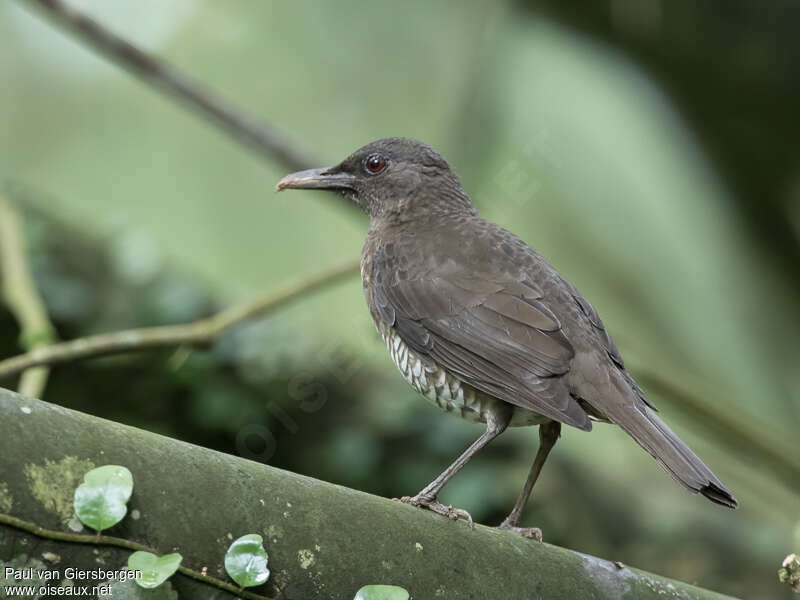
<point x="19" y="292"/>
<point x="180" y="87"/>
<point x="199" y="333"/>
<point x="328" y="534"/>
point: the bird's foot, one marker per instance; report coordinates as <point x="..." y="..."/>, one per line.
<point x="422" y="501"/>
<point x="532" y="533"/>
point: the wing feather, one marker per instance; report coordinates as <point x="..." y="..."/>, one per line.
<point x="498" y="336"/>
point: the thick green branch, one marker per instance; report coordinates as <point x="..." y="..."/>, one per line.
<point x="323" y="540"/>
<point x="199" y="333"/>
<point x="20" y="294"/>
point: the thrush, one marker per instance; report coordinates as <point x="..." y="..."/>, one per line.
<point x="483" y="326"/>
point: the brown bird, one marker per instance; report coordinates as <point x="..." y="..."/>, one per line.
<point x="482" y="326"/>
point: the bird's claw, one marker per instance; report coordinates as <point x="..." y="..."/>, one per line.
<point x="433" y="505"/>
<point x="531" y="533"/>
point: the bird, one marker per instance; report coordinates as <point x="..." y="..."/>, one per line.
<point x="482" y="326"/>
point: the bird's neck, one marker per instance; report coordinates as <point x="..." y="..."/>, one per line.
<point x="423" y="209"/>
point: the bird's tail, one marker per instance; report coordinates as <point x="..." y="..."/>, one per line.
<point x="646" y="427"/>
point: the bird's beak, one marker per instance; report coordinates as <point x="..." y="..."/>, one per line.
<point x="317" y="179"/>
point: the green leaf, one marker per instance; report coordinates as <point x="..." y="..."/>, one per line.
<point x="246" y="561"/>
<point x="155" y="569"/>
<point x="100" y="501"/>
<point x="381" y="592"/>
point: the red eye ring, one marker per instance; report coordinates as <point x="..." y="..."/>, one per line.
<point x="374" y="164"/>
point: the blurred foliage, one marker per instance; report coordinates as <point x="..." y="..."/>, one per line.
<point x="644" y="147"/>
<point x="731" y="68"/>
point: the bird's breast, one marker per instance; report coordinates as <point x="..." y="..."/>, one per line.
<point x="435" y="384"/>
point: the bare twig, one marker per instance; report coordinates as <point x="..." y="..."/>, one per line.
<point x="20" y="294"/>
<point x="166" y="78"/>
<point x="107" y="540"/>
<point x="199" y="333"/>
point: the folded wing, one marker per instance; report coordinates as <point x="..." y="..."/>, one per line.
<point x="498" y="336"/>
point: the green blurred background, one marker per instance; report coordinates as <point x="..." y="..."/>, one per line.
<point x="649" y="149"/>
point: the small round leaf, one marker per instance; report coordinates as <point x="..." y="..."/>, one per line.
<point x="246" y="561"/>
<point x="155" y="569"/>
<point x="100" y="500"/>
<point x="381" y="592"/>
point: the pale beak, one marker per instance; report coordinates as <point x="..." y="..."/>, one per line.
<point x="317" y="179"/>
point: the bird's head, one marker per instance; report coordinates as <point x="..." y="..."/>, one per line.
<point x="393" y="178"/>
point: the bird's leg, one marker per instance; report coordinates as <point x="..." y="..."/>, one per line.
<point x="548" y="435"/>
<point x="496" y="423"/>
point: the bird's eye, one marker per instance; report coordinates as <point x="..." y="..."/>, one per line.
<point x="375" y="163"/>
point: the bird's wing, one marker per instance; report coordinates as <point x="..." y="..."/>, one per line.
<point x="498" y="336"/>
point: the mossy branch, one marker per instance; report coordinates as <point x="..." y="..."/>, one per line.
<point x="323" y="540"/>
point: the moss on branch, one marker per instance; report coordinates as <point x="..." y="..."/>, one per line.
<point x="324" y="541"/>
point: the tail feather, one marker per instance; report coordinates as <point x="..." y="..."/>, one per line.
<point x="684" y="465"/>
<point x="655" y="436"/>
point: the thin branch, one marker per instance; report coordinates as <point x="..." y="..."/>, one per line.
<point x="107" y="540"/>
<point x="180" y="87"/>
<point x="199" y="333"/>
<point x="20" y="294"/>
